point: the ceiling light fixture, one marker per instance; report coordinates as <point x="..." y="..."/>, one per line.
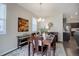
<point x="40" y="18"/>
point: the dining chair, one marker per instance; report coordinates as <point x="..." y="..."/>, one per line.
<point x="53" y="44"/>
<point x="37" y="45"/>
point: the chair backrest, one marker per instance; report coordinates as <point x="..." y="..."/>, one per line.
<point x="36" y="42"/>
<point x="40" y="40"/>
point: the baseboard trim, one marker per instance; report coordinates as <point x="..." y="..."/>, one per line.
<point x="9" y="52"/>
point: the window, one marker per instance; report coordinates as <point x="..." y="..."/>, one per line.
<point x="34" y="25"/>
<point x="2" y="19"/>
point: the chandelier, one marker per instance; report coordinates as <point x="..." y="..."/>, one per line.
<point x="41" y="19"/>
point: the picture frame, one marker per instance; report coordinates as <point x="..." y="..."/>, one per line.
<point x="23" y="25"/>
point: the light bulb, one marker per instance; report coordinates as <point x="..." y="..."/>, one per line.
<point x="39" y="19"/>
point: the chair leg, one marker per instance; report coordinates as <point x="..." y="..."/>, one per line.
<point x="54" y="50"/>
<point x="33" y="54"/>
<point x="46" y="53"/>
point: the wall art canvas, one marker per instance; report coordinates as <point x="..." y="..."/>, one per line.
<point x="23" y="25"/>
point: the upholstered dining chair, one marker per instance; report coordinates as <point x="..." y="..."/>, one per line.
<point x="53" y="44"/>
<point x="37" y="45"/>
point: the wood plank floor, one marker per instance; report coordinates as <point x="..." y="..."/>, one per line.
<point x="71" y="47"/>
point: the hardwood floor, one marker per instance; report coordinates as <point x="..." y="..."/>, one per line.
<point x="71" y="47"/>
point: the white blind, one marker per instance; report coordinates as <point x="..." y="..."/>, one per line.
<point x="2" y="19"/>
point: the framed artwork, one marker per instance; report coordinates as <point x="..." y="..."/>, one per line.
<point x="23" y="25"/>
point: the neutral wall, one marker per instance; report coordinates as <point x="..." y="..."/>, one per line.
<point x="8" y="42"/>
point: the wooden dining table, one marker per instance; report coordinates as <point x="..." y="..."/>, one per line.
<point x="47" y="41"/>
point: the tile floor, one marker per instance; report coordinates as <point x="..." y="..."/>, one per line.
<point x="24" y="51"/>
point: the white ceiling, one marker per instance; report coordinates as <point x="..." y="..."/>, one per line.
<point x="49" y="9"/>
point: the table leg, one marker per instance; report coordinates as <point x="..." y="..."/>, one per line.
<point x="28" y="48"/>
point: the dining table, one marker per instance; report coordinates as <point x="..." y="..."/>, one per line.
<point x="46" y="41"/>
